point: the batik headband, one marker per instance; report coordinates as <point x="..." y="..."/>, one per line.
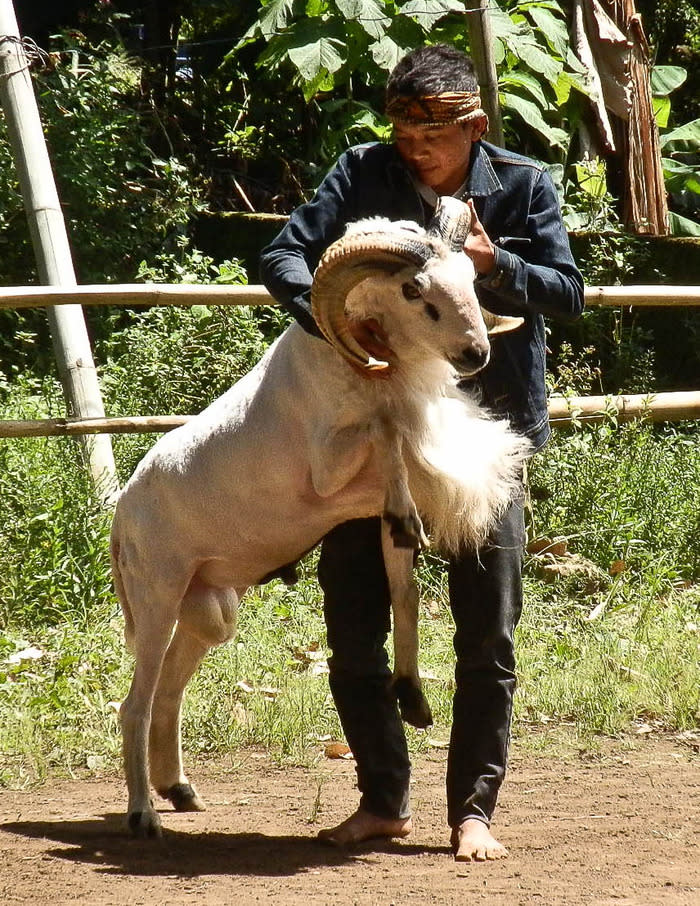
<point x="435" y="110"/>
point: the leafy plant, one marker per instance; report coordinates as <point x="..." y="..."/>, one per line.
<point x="338" y="54"/>
<point x="121" y="200"/>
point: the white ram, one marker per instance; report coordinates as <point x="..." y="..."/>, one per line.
<point x="301" y="444"/>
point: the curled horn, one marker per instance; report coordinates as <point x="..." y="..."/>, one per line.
<point x="451" y="221"/>
<point x="343" y="265"/>
<point x="500" y="323"/>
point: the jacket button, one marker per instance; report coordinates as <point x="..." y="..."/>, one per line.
<point x="497" y="279"/>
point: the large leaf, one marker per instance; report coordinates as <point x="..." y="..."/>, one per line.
<point x="527" y="81"/>
<point x="662" y="111"/>
<point x="503" y="27"/>
<point x="665" y="79"/>
<point x="322" y="82"/>
<point x="682" y="226"/>
<point x="552" y="27"/>
<point x="274" y="17"/>
<point x="315" y="45"/>
<point x="591" y="178"/>
<point x="564" y="84"/>
<point x="386" y="53"/>
<point x="684" y="138"/>
<point x="428" y="12"/>
<point x="532" y="116"/>
<point x="538" y="60"/>
<point x="679" y="176"/>
<point x="369" y="14"/>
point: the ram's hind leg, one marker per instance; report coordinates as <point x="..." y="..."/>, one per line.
<point x="398" y="562"/>
<point x="207" y="618"/>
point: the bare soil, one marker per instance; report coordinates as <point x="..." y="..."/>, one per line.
<point x="618" y="827"/>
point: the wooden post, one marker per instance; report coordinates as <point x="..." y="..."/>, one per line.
<point x="481" y="46"/>
<point x="51" y="249"/>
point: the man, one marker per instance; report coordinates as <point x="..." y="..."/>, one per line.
<point x="524" y="266"/>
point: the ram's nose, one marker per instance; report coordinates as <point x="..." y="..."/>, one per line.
<point x="472" y="359"/>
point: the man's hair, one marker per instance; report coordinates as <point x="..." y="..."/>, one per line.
<point x="432" y="70"/>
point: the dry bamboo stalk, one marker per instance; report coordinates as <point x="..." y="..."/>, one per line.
<point x="197" y="294"/>
<point x="69" y="427"/>
<point x="134" y="294"/>
<point x="656" y="407"/>
<point x="562" y="411"/>
<point x="645" y="208"/>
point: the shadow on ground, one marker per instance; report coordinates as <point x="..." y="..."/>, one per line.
<point x="103" y="843"/>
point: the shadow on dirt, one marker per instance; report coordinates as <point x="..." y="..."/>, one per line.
<point x="104" y="844"/>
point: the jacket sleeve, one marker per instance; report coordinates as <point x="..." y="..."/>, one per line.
<point x="538" y="273"/>
<point x="288" y="262"/>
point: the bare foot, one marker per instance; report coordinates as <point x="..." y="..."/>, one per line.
<point x="361" y="826"/>
<point x="472" y="841"/>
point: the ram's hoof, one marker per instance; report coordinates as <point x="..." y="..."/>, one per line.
<point x="184" y="798"/>
<point x="145" y="824"/>
<point x="413" y="705"/>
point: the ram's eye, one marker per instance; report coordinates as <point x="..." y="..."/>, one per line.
<point x="410" y="291"/>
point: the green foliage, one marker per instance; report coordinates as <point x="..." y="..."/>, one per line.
<point x="55" y="561"/>
<point x="339" y="53"/>
<point x="177" y="361"/>
<point x="121" y="200"/>
<point x="602" y="673"/>
<point x="621" y="492"/>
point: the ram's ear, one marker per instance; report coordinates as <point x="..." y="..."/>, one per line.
<point x="500" y="323"/>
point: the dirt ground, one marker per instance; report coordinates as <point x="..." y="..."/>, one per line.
<point x="619" y="827"/>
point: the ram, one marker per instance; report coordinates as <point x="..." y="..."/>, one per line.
<point x="302" y="443"/>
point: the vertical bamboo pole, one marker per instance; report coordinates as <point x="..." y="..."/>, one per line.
<point x="481" y="46"/>
<point x="51" y="249"/>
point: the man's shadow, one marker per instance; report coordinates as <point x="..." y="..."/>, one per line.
<point x="104" y="843"/>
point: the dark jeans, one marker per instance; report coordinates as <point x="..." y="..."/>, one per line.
<point x="486" y="601"/>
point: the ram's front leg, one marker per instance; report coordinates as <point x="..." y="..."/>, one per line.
<point x="400" y="511"/>
<point x="398" y="562"/>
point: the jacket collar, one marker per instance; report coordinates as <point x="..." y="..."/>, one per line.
<point x="482" y="178"/>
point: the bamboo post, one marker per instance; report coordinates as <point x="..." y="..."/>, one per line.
<point x="51" y="249"/>
<point x="481" y="46"/>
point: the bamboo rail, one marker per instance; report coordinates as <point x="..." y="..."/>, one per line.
<point x="562" y="410"/>
<point x="656" y="407"/>
<point x="197" y="294"/>
<point x="134" y="294"/>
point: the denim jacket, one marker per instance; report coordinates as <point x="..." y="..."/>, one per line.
<point x="534" y="272"/>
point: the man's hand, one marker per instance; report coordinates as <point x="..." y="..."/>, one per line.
<point x="478" y="245"/>
<point x="371" y="337"/>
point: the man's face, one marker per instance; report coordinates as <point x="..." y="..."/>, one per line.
<point x="438" y="155"/>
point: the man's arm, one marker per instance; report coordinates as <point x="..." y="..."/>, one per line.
<point x="288" y="262"/>
<point x="543" y="277"/>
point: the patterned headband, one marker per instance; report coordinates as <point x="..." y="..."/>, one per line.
<point x="437" y="109"/>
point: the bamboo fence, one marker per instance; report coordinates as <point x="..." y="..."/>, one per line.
<point x="562" y="410"/>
